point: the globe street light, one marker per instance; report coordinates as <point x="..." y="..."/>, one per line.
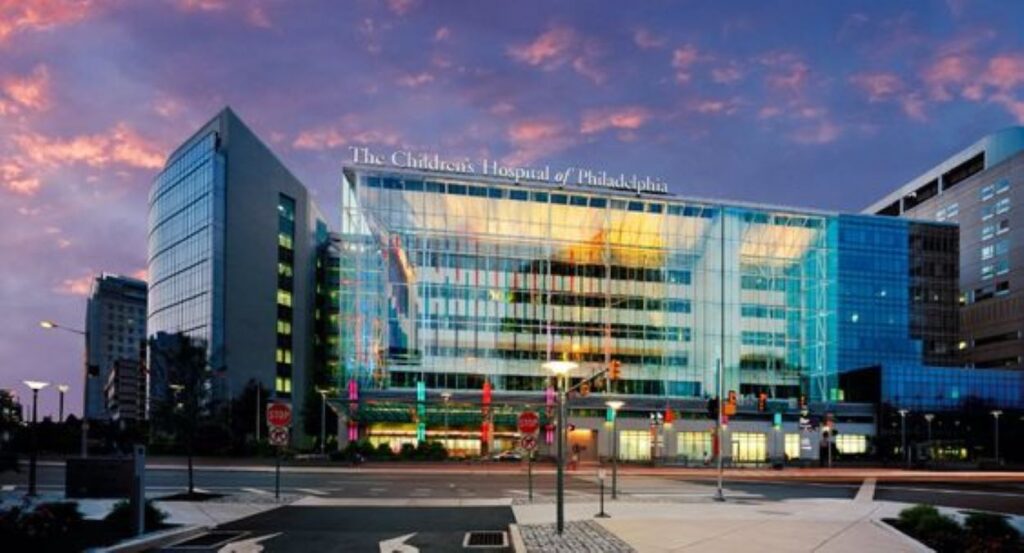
<point x="903" y="434"/>
<point x="561" y="371"/>
<point x="62" y="388"/>
<point x="35" y="386"/>
<point x="615" y="405"/>
<point x="995" y="420"/>
<point x="50" y="325"/>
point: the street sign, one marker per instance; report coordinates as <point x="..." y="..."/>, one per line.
<point x="279" y="414"/>
<point x="528" y="442"/>
<point x="279" y="436"/>
<point x="529" y="422"/>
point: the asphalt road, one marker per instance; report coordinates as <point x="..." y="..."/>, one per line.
<point x="337" y="529"/>
<point x="1005" y="497"/>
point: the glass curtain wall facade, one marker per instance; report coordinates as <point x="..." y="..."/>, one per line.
<point x="455" y="281"/>
<point x="186" y="206"/>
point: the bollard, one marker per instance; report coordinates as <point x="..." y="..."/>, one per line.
<point x="600" y="480"/>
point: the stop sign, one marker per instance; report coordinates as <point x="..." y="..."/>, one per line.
<point x="279" y="414"/>
<point x="529" y="422"/>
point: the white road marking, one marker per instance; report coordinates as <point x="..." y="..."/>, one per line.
<point x="311" y="491"/>
<point x="256" y="491"/>
<point x="398" y="545"/>
<point x="866" y="493"/>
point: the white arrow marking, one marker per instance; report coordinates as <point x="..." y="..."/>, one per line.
<point x="398" y="545"/>
<point x="251" y="545"/>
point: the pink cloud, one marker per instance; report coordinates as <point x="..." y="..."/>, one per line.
<point x="14" y="178"/>
<point x="141" y="274"/>
<point x="1012" y="105"/>
<point x="22" y="15"/>
<point x="534" y="139"/>
<point x="623" y="118"/>
<point x="726" y="74"/>
<point x="715" y="107"/>
<point x="401" y="7"/>
<point x="551" y="47"/>
<point x="556" y="47"/>
<point x="416" y="81"/>
<point x="646" y="39"/>
<point x="952" y="69"/>
<point x="256" y="16"/>
<point x="119" y="146"/>
<point x="878" y="86"/>
<point x="31" y="92"/>
<point x="682" y="59"/>
<point x="821" y="132"/>
<point x="442" y="34"/>
<point x="1005" y="71"/>
<point x="77" y="286"/>
<point x="203" y="5"/>
<point x="345" y="133"/>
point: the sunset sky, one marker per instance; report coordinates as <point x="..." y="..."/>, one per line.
<point x="819" y="104"/>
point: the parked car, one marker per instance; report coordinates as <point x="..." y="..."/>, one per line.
<point x="510" y="456"/>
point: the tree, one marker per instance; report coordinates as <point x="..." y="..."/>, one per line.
<point x="181" y="395"/>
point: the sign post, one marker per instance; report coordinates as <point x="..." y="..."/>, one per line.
<point x="279" y="420"/>
<point x="529" y="424"/>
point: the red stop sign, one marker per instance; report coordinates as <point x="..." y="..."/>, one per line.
<point x="529" y="422"/>
<point x="279" y="414"/>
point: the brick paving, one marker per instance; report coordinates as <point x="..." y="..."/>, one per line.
<point x="580" y="536"/>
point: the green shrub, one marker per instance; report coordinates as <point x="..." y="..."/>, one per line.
<point x="50" y="520"/>
<point x="120" y="516"/>
<point x="937" y="531"/>
<point x="407" y="451"/>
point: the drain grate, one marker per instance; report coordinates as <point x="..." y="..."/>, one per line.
<point x="485" y="539"/>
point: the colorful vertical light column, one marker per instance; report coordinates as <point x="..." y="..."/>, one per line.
<point x="485" y="424"/>
<point x="353" y="406"/>
<point x="549" y="410"/>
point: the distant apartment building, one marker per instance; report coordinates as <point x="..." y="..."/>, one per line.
<point x="115" y="323"/>
<point x="125" y="391"/>
<point x="982" y="189"/>
<point x="234" y="241"/>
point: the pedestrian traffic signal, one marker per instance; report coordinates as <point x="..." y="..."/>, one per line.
<point x="584" y="389"/>
<point x="762" y="402"/>
<point x="730" y="405"/>
<point x="713" y="408"/>
<point x="614" y="369"/>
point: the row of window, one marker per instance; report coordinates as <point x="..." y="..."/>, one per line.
<point x="558" y="328"/>
<point x="995" y="229"/>
<point x="285" y="278"/>
<point x="1000" y="187"/>
<point x="998" y="208"/>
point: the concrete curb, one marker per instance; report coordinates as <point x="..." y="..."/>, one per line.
<point x="911" y="542"/>
<point x="154" y="540"/>
<point x="516" y="539"/>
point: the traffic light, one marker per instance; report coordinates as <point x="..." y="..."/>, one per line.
<point x="614" y="369"/>
<point x="730" y="405"/>
<point x="713" y="408"/>
<point x="762" y="402"/>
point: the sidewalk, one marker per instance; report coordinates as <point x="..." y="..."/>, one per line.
<point x="836" y="526"/>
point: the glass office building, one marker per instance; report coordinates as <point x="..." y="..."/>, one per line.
<point x="454" y="280"/>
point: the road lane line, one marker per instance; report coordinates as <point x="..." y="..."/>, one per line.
<point x="256" y="491"/>
<point x="311" y="491"/>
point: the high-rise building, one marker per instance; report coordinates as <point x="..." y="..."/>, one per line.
<point x="459" y="283"/>
<point x="125" y="391"/>
<point x="233" y="249"/>
<point x="115" y="324"/>
<point x="980" y="188"/>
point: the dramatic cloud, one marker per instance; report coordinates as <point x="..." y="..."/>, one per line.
<point x="878" y="86"/>
<point x="121" y="146"/>
<point x="77" y="286"/>
<point x="30" y="92"/>
<point x="346" y="133"/>
<point x="536" y="139"/>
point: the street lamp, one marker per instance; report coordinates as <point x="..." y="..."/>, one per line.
<point x="323" y="417"/>
<point x="62" y="388"/>
<point x="50" y="325"/>
<point x="903" y="435"/>
<point x="561" y="371"/>
<point x="35" y="386"/>
<point x="446" y="396"/>
<point x="995" y="421"/>
<point x="615" y="405"/>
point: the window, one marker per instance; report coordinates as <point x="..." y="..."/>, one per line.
<point x="1002" y="206"/>
<point x="695" y="446"/>
<point x="284" y="269"/>
<point x="987" y="212"/>
<point x="988" y="231"/>
<point x="988" y="191"/>
<point x="1002" y="266"/>
<point x="852" y="444"/>
<point x="284" y="356"/>
<point x="284" y="327"/>
<point x="1002" y="186"/>
<point x="284" y="297"/>
<point x="634" y="445"/>
<point x="748" y="447"/>
<point x="792" y="446"/>
<point x="283" y="385"/>
<point x="1004" y="226"/>
<point x="987" y="253"/>
<point x="988" y="271"/>
<point x="284" y="240"/>
<point x="1002" y="247"/>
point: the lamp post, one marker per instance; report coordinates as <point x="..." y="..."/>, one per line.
<point x="50" y="325"/>
<point x="62" y="388"/>
<point x="719" y="496"/>
<point x="995" y="421"/>
<point x="615" y="405"/>
<point x="35" y="386"/>
<point x="903" y="435"/>
<point x="323" y="418"/>
<point x="561" y="371"/>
